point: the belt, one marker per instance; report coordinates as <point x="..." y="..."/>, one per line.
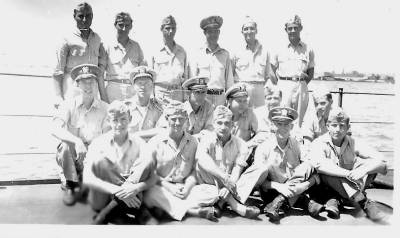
<point x="215" y="91"/>
<point x="254" y="82"/>
<point x="291" y="78"/>
<point x="168" y="86"/>
<point x="124" y="81"/>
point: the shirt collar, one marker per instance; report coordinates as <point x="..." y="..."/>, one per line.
<point x="208" y="50"/>
<point x="165" y="48"/>
<point x="79" y="102"/>
<point x="118" y="45"/>
<point x="258" y="47"/>
<point x="301" y="44"/>
<point x="134" y="101"/>
<point x="328" y="139"/>
<point x="276" y="145"/>
<point x="77" y="32"/>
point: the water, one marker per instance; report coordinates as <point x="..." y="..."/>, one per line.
<point x="367" y="108"/>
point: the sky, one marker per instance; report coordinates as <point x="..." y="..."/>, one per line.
<point x="345" y="35"/>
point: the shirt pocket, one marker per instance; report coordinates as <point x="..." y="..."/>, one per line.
<point x="77" y="51"/>
<point x="242" y="64"/>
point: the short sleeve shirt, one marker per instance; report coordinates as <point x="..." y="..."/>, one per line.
<point x="291" y="61"/>
<point x="84" y="123"/>
<point x="246" y="125"/>
<point x="76" y="50"/>
<point x="314" y="128"/>
<point x="283" y="161"/>
<point x="174" y="162"/>
<point x="200" y="119"/>
<point x="122" y="60"/>
<point x="251" y="66"/>
<point x="171" y="66"/>
<point x="143" y="118"/>
<point x="227" y="156"/>
<point x="213" y="64"/>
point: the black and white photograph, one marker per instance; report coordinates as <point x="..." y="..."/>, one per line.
<point x="198" y="113"/>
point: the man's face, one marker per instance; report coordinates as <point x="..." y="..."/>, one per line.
<point x="143" y="86"/>
<point x="239" y="104"/>
<point x="198" y="97"/>
<point x="249" y="31"/>
<point x="273" y="100"/>
<point x="322" y="106"/>
<point x="176" y="122"/>
<point x="282" y="129"/>
<point x="223" y="126"/>
<point x="212" y="35"/>
<point x="119" y="123"/>
<point x="338" y="130"/>
<point x="87" y="86"/>
<point x="83" y="18"/>
<point x="123" y="27"/>
<point x="168" y="32"/>
<point x="293" y="31"/>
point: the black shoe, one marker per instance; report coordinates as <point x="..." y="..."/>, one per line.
<point x="372" y="210"/>
<point x="272" y="209"/>
<point x="144" y="217"/>
<point x="208" y="213"/>
<point x="69" y="197"/>
<point x="314" y="208"/>
<point x="217" y="211"/>
<point x="332" y="207"/>
<point x="252" y="212"/>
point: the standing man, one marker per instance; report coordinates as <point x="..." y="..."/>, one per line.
<point x="81" y="47"/>
<point x="294" y="66"/>
<point x="251" y="65"/>
<point x="221" y="159"/>
<point x="119" y="169"/>
<point x="145" y="111"/>
<point x="213" y="62"/>
<point x="123" y="56"/>
<point x="279" y="170"/>
<point x="78" y="121"/>
<point x="199" y="109"/>
<point x="346" y="166"/>
<point x="170" y="63"/>
<point x="176" y="191"/>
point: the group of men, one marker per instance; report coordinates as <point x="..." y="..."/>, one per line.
<point x="194" y="138"/>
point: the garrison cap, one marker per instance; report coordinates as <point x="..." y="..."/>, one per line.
<point x="175" y="107"/>
<point x="222" y="112"/>
<point x="338" y="115"/>
<point x="169" y="20"/>
<point x="143" y="71"/>
<point x="197" y="83"/>
<point x="85" y="71"/>
<point x="122" y="17"/>
<point x="294" y="21"/>
<point x="118" y="108"/>
<point x="236" y="90"/>
<point x="282" y="114"/>
<point x="211" y="21"/>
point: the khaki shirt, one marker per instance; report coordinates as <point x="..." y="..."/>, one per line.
<point x="122" y="60"/>
<point x="121" y="163"/>
<point x="246" y="125"/>
<point x="172" y="67"/>
<point x="283" y="161"/>
<point x="84" y="123"/>
<point x="323" y="151"/>
<point x="174" y="162"/>
<point x="226" y="157"/>
<point x="143" y="118"/>
<point x="213" y="64"/>
<point x="201" y="119"/>
<point x="291" y="61"/>
<point x="249" y="66"/>
<point x="314" y="128"/>
<point x="75" y="50"/>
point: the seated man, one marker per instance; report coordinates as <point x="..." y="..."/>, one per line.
<point x="145" y="111"/>
<point x="176" y="191"/>
<point x="346" y="166"/>
<point x="119" y="168"/>
<point x="244" y="120"/>
<point x="77" y="122"/>
<point x="221" y="158"/>
<point x="199" y="109"/>
<point x="278" y="169"/>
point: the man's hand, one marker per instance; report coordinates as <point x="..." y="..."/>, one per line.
<point x="133" y="201"/>
<point x="230" y="185"/>
<point x="57" y="101"/>
<point x="223" y="193"/>
<point x="287" y="190"/>
<point x="174" y="189"/>
<point x="357" y="174"/>
<point x="80" y="149"/>
<point x="128" y="190"/>
<point x="183" y="192"/>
